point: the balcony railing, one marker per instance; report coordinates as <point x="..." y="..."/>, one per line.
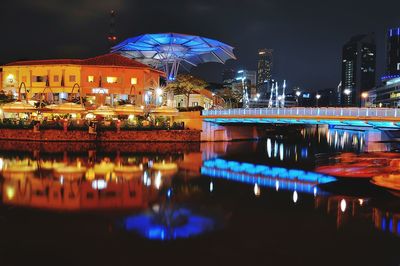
<point x="304" y="112"/>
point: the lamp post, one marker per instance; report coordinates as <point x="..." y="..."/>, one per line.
<point x="298" y="93"/>
<point x="159" y="97"/>
<point x="318" y="96"/>
<point x="364" y="97"/>
<point x="347" y="92"/>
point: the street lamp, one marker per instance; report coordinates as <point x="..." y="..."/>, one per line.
<point x="298" y="93"/>
<point x="159" y="93"/>
<point x="347" y="91"/>
<point x="364" y="96"/>
<point x="318" y="96"/>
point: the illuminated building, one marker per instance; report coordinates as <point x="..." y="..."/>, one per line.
<point x="264" y="71"/>
<point x="386" y="95"/>
<point x="102" y="79"/>
<point x="358" y="68"/>
<point x="393" y="52"/>
<point x="203" y="98"/>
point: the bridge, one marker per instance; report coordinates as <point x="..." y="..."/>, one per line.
<point x="227" y="124"/>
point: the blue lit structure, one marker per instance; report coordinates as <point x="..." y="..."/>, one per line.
<point x="352" y="123"/>
<point x="169" y="51"/>
<point x="268" y="176"/>
<point x="147" y="226"/>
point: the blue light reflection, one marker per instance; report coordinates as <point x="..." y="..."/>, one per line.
<point x="148" y="225"/>
<point x="289" y="179"/>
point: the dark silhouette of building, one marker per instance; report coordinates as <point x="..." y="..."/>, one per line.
<point x="393" y="52"/>
<point x="328" y="97"/>
<point x="264" y="72"/>
<point x="228" y="77"/>
<point x="358" y="68"/>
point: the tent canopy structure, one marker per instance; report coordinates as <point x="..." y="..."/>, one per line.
<point x="169" y="51"/>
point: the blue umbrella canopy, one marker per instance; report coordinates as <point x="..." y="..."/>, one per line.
<point x="169" y="51"/>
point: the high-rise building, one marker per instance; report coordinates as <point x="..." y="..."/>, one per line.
<point x="393" y="52"/>
<point x="358" y="68"/>
<point x="264" y="71"/>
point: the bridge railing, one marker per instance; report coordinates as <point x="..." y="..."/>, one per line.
<point x="304" y="111"/>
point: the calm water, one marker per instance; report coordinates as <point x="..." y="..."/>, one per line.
<point x="240" y="203"/>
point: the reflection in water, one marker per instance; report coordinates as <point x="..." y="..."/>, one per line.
<point x="169" y="223"/>
<point x="275" y="174"/>
<point x="262" y="175"/>
<point x="386" y="221"/>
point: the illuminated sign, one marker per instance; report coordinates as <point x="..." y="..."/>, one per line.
<point x="99" y="91"/>
<point x="306" y="95"/>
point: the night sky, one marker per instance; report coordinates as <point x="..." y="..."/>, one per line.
<point x="307" y="36"/>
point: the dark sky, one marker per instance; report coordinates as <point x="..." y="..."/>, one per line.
<point x="306" y="36"/>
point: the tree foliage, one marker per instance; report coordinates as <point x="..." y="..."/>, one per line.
<point x="186" y="84"/>
<point x="232" y="97"/>
<point x="5" y="98"/>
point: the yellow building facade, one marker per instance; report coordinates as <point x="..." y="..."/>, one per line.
<point x="107" y="77"/>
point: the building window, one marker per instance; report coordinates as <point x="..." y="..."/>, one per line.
<point x="133" y="81"/>
<point x="398" y="66"/>
<point x="195" y="104"/>
<point x="72" y="78"/>
<point x="90" y="78"/>
<point x="39" y="78"/>
<point x="111" y="79"/>
<point x="55" y="78"/>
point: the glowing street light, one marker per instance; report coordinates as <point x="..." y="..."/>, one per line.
<point x="347" y="91"/>
<point x="318" y="96"/>
<point x="298" y="93"/>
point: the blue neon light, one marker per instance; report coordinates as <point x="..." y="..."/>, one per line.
<point x="289" y="179"/>
<point x="389" y="77"/>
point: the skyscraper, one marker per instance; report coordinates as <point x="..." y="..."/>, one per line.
<point x="358" y="68"/>
<point x="264" y="71"/>
<point x="393" y="52"/>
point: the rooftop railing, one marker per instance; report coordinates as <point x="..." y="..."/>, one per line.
<point x="304" y="111"/>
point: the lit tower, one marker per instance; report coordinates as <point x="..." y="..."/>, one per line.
<point x="112" y="38"/>
<point x="264" y="71"/>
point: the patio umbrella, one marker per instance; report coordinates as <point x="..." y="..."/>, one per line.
<point x="104" y="111"/>
<point x="18" y="107"/>
<point x="165" y="111"/>
<point x="129" y="109"/>
<point x="65" y="108"/>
